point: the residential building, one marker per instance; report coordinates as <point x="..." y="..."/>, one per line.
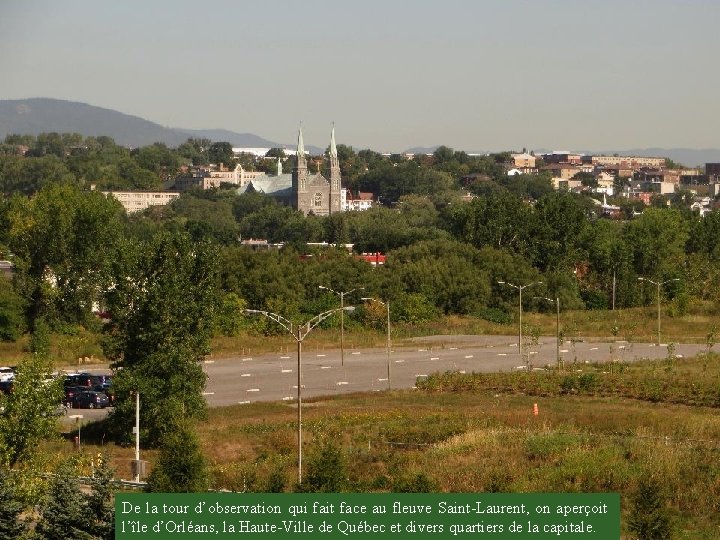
<point x="136" y="201"/>
<point x="526" y="163"/>
<point x="358" y="202"/>
<point x="562" y="156"/>
<point x="564" y="171"/>
<point x="628" y="162"/>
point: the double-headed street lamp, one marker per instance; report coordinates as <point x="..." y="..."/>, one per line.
<point x="658" y="284"/>
<point x="556" y="301"/>
<point x="299" y="332"/>
<point x="342" y="317"/>
<point x="520" y="290"/>
<point x="386" y="303"/>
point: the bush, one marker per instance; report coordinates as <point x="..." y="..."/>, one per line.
<point x="649" y="518"/>
<point x="326" y="471"/>
<point x="494" y="315"/>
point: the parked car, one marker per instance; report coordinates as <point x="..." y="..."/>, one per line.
<point x="90" y="399"/>
<point x="7" y="373"/>
<point x="70" y="393"/>
<point x="6" y="386"/>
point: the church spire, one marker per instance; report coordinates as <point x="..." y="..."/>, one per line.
<point x="301" y="163"/>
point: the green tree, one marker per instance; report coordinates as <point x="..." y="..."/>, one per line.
<point x="181" y="466"/>
<point x="221" y="152"/>
<point x="12" y="312"/>
<point x="163" y="306"/>
<point x="63" y="513"/>
<point x="326" y="470"/>
<point x="100" y="501"/>
<point x="64" y="241"/>
<point x="11" y="526"/>
<point x="28" y="412"/>
<point x="649" y="519"/>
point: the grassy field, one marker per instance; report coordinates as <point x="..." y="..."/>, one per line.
<point x="478" y="433"/>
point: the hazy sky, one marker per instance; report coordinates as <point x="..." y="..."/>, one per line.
<point x="391" y="74"/>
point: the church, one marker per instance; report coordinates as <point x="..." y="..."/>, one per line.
<point x="303" y="190"/>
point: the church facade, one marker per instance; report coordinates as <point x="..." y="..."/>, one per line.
<point x="310" y="193"/>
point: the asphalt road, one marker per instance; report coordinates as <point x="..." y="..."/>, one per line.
<point x="273" y="377"/>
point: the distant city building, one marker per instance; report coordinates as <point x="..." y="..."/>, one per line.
<point x="712" y="170"/>
<point x="525" y="163"/>
<point x="136" y="201"/>
<point x="205" y="178"/>
<point x="628" y="162"/>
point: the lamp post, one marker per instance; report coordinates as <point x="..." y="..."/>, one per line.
<point x="520" y="290"/>
<point x="386" y="303"/>
<point x="556" y="301"/>
<point x="342" y="317"/>
<point x="658" y="284"/>
<point x="299" y="333"/>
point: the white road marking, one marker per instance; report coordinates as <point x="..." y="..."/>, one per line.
<point x="253" y="389"/>
<point x="421" y="375"/>
<point x="502" y="354"/>
<point x="356" y="352"/>
<point x="246" y="375"/>
<point x="284" y="357"/>
<point x="453" y="348"/>
<point x="243" y="402"/>
<point x="288" y="398"/>
<point x="325" y="367"/>
<point x="399" y="361"/>
<point x="563" y="350"/>
<point x="468" y="356"/>
<point x="301" y="386"/>
<point x="286" y="371"/>
<point x="340" y="383"/>
<point x="208" y="393"/>
<point x="434" y="358"/>
<point x="382" y="380"/>
<point x="593" y="348"/>
<point x="246" y="359"/>
<point x="320" y="355"/>
<point x="209" y="361"/>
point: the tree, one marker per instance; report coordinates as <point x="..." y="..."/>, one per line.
<point x="326" y="470"/>
<point x="649" y="519"/>
<point x="12" y="309"/>
<point x="163" y="304"/>
<point x="64" y="241"/>
<point x="28" y="412"/>
<point x="64" y="511"/>
<point x="181" y="466"/>
<point x="10" y="510"/>
<point x="221" y="152"/>
<point x="100" y="501"/>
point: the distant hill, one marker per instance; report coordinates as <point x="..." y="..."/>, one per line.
<point x="44" y="115"/>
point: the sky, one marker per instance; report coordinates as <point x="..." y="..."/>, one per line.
<point x="475" y="75"/>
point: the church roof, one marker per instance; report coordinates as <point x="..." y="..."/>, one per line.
<point x="269" y="185"/>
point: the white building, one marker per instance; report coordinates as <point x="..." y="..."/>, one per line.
<point x="136" y="201"/>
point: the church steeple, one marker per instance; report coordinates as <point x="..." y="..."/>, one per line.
<point x="300" y="172"/>
<point x="334" y="175"/>
<point x="301" y="162"/>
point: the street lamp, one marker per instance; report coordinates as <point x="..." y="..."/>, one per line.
<point x="520" y="289"/>
<point x="299" y="333"/>
<point x="387" y="305"/>
<point x="556" y="301"/>
<point x="658" y="284"/>
<point x="342" y="317"/>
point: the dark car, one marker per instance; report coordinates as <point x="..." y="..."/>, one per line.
<point x="70" y="393"/>
<point x="90" y="399"/>
<point x="6" y="387"/>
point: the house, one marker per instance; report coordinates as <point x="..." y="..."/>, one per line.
<point x="360" y="201"/>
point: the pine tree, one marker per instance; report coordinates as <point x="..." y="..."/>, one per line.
<point x="10" y="509"/>
<point x="649" y="518"/>
<point x="181" y="466"/>
<point x="100" y="506"/>
<point x="64" y="512"/>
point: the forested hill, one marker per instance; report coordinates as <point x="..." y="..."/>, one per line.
<point x="45" y="115"/>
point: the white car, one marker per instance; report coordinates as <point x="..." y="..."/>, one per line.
<point x="6" y="374"/>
